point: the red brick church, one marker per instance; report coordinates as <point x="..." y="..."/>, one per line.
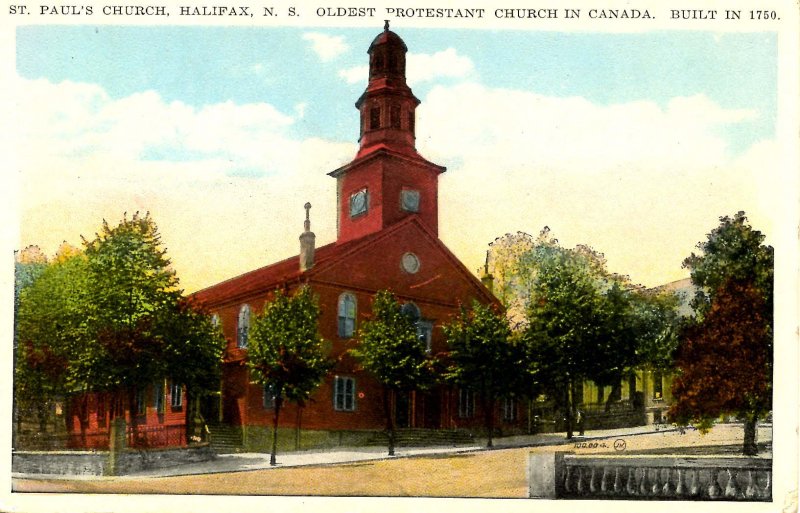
<point x="387" y="222"/>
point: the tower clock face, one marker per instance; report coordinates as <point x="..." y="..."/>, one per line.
<point x="358" y="203"/>
<point x="409" y="200"/>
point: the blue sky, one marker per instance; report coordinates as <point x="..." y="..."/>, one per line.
<point x="206" y="65"/>
<point x="632" y="143"/>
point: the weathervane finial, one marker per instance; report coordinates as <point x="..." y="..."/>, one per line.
<point x="386" y="25"/>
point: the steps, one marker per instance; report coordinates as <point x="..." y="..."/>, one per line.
<point x="225" y="439"/>
<point x="416" y="437"/>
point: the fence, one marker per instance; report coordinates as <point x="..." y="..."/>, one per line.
<point x="567" y="476"/>
<point x="156" y="436"/>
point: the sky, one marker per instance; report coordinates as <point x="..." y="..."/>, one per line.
<point x="634" y="144"/>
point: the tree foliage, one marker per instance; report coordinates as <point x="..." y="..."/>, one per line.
<point x="113" y="318"/>
<point x="484" y="357"/>
<point x="391" y="351"/>
<point x="725" y="359"/>
<point x="286" y="353"/>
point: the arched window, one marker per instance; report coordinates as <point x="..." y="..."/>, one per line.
<point x="394" y="115"/>
<point x="347" y="315"/>
<point x="374" y="118"/>
<point x="215" y="320"/>
<point x="243" y="329"/>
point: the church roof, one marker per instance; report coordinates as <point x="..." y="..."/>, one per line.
<point x="387" y="37"/>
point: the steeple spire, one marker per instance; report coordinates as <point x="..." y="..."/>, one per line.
<point x="387" y="106"/>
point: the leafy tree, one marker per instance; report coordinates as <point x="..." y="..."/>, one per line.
<point x="391" y="351"/>
<point x="51" y="332"/>
<point x="566" y="318"/>
<point x="193" y="353"/>
<point x="132" y="287"/>
<point x="286" y="352"/>
<point x="725" y="360"/>
<point x="483" y="357"/>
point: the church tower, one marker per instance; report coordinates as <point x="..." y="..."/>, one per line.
<point x="388" y="180"/>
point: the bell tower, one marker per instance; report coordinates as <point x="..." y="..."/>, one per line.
<point x="388" y="180"/>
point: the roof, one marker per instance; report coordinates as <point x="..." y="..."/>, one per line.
<point x="387" y="37"/>
<point x="287" y="271"/>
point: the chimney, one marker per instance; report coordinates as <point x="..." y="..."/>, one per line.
<point x="487" y="279"/>
<point x="307" y="243"/>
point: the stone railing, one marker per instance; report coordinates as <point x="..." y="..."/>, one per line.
<point x="568" y="476"/>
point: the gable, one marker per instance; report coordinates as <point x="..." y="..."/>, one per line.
<point x="377" y="264"/>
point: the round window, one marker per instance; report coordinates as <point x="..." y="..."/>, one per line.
<point x="410" y="263"/>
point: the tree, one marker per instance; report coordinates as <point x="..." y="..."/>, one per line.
<point x="390" y="349"/>
<point x="482" y="356"/>
<point x="725" y="359"/>
<point x="51" y="332"/>
<point x="566" y="316"/>
<point x="286" y="353"/>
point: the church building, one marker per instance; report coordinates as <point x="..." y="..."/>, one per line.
<point x="387" y="238"/>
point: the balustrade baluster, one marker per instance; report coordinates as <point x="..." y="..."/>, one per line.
<point x="766" y="493"/>
<point x="714" y="491"/>
<point x="644" y="485"/>
<point x="630" y="487"/>
<point x="605" y="486"/>
<point x="694" y="488"/>
<point x="580" y="488"/>
<point x="680" y="488"/>
<point x="751" y="491"/>
<point x="731" y="489"/>
<point x="617" y="482"/>
<point x="667" y="490"/>
<point x="568" y="479"/>
<point x="656" y="487"/>
<point x="593" y="481"/>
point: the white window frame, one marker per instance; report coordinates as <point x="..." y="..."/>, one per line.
<point x="176" y="395"/>
<point x="243" y="327"/>
<point x="466" y="403"/>
<point x="141" y="402"/>
<point x="425" y="332"/>
<point x="509" y="409"/>
<point x="346" y="299"/>
<point x="344" y="400"/>
<point x="159" y="399"/>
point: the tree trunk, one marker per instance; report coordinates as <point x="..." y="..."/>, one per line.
<point x="387" y="409"/>
<point x="750" y="448"/>
<point x="278" y="403"/>
<point x="132" y="408"/>
<point x="297" y="428"/>
<point x="568" y="408"/>
<point x="488" y="405"/>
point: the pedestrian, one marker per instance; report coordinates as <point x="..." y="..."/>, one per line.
<point x="579" y="417"/>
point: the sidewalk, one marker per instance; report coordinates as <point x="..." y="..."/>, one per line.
<point x="242" y="462"/>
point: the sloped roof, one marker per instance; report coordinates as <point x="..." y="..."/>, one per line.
<point x="287" y="271"/>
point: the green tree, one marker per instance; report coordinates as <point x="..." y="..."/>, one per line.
<point x="483" y="357"/>
<point x="566" y="319"/>
<point x="725" y="360"/>
<point x="390" y="349"/>
<point x="51" y="332"/>
<point x="132" y="288"/>
<point x="193" y="354"/>
<point x="286" y="353"/>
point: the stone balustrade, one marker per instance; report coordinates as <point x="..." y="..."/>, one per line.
<point x="650" y="477"/>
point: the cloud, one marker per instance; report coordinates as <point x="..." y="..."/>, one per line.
<point x="641" y="182"/>
<point x="422" y="67"/>
<point x="226" y="179"/>
<point x="326" y="47"/>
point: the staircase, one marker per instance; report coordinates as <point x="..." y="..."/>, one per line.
<point x="416" y="437"/>
<point x="225" y="439"/>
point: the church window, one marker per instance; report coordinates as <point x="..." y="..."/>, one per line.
<point x="392" y="62"/>
<point x="409" y="200"/>
<point x="394" y="116"/>
<point x="466" y="403"/>
<point x="374" y="118"/>
<point x="215" y="320"/>
<point x="140" y="402"/>
<point x="347" y="315"/>
<point x="176" y="395"/>
<point x="359" y="202"/>
<point x="344" y="389"/>
<point x="425" y="333"/>
<point x="509" y="409"/>
<point x="158" y="397"/>
<point x="243" y="329"/>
